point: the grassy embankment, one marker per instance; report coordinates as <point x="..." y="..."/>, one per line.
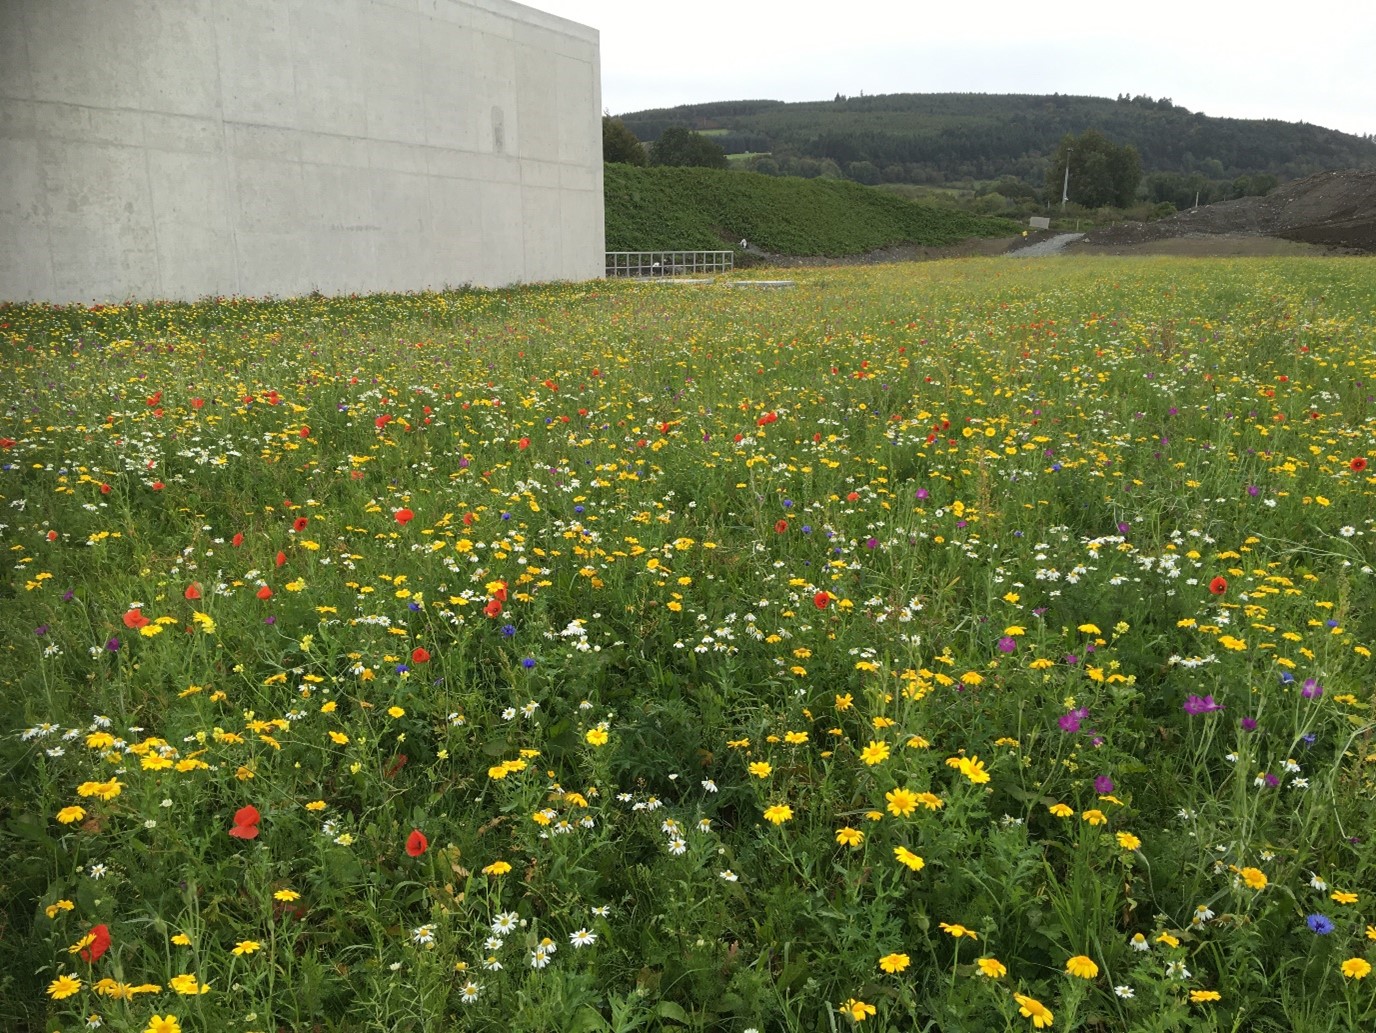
<point x="707" y="209"/>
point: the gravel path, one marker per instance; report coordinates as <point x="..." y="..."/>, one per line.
<point x="1050" y="246"/>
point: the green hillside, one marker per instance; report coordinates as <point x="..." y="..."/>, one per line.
<point x="707" y="209"/>
<point x="943" y="137"/>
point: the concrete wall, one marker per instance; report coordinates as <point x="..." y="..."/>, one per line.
<point x="184" y="148"/>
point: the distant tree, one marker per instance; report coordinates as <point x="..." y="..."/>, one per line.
<point x="863" y="172"/>
<point x="1101" y="173"/>
<point x="680" y="146"/>
<point x="619" y="144"/>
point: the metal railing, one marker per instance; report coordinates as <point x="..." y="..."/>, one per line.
<point x="646" y="264"/>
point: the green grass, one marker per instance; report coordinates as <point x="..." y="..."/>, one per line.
<point x="785" y="660"/>
<point x="683" y="208"/>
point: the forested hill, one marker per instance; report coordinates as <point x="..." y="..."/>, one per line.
<point x="939" y="137"/>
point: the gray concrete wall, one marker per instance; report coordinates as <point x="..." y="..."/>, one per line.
<point x="184" y="148"/>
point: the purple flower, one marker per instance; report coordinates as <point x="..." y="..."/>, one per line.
<point x="1201" y="705"/>
<point x="112" y="646"/>
<point x="920" y="494"/>
<point x="1103" y="784"/>
<point x="41" y="630"/>
<point x="1071" y="722"/>
<point x="871" y="543"/>
<point x="1123" y="528"/>
<point x="1249" y="724"/>
<point x="1271" y="781"/>
<point x="1007" y="644"/>
<point x="1311" y="689"/>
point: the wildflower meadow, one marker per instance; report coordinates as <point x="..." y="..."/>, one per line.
<point x="959" y="646"/>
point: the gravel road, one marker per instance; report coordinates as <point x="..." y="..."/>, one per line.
<point x="1050" y="246"/>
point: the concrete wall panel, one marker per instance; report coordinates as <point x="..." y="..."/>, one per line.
<point x="253" y="55"/>
<point x="157" y="149"/>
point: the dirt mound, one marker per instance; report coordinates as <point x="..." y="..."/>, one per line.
<point x="1336" y="209"/>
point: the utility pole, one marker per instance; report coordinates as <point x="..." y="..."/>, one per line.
<point x="1065" y="187"/>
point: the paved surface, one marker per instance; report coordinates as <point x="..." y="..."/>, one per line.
<point x="1050" y="246"/>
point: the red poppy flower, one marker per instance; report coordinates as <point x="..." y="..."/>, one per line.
<point x="237" y="540"/>
<point x="780" y="526"/>
<point x="193" y="591"/>
<point x="197" y="403"/>
<point x="105" y="489"/>
<point x="305" y="432"/>
<point x="416" y="843"/>
<point x="134" y="619"/>
<point x="158" y="486"/>
<point x="853" y="496"/>
<point x="404" y="516"/>
<point x="52" y="536"/>
<point x="100" y="943"/>
<point x="281" y="558"/>
<point x="299" y="524"/>
<point x="265" y="592"/>
<point x="1218" y="585"/>
<point x="523" y="444"/>
<point x="493" y="608"/>
<point x="382" y="421"/>
<point x="7" y="442"/>
<point x="1358" y="464"/>
<point x="499" y="593"/>
<point x="247" y="815"/>
<point x="821" y="599"/>
<point x="246" y="821"/>
<point x="420" y="655"/>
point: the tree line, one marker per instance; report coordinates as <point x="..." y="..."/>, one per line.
<point x="945" y="138"/>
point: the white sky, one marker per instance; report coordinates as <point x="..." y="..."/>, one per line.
<point x="1302" y="60"/>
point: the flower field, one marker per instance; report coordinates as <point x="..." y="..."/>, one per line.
<point x="953" y="647"/>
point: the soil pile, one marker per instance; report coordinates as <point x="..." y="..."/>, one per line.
<point x="1335" y="209"/>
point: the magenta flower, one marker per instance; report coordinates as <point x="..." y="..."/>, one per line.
<point x="1071" y="722"/>
<point x="1007" y="644"/>
<point x="1201" y="705"/>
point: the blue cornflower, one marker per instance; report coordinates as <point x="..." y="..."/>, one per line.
<point x="528" y="662"/>
<point x="1320" y="924"/>
<point x="508" y="630"/>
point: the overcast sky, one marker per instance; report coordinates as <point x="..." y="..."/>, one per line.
<point x="1312" y="61"/>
